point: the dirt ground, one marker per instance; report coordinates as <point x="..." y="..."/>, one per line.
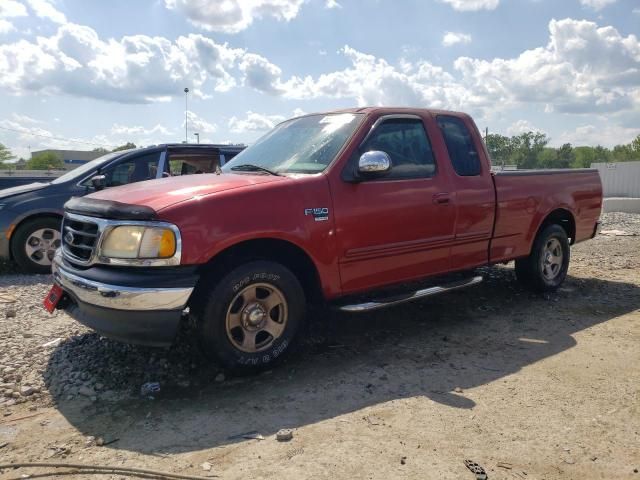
<point x="528" y="386"/>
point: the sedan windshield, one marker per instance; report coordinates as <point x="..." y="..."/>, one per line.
<point x="301" y="145"/>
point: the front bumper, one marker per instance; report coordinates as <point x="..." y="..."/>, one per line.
<point x="128" y="305"/>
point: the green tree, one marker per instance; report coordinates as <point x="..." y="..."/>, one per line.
<point x="623" y="153"/>
<point x="45" y="161"/>
<point x="126" y="146"/>
<point x="499" y="148"/>
<point x="547" y="158"/>
<point x="584" y="157"/>
<point x="602" y="154"/>
<point x="526" y="148"/>
<point x="5" y="156"/>
<point x="635" y="147"/>
<point x="100" y="150"/>
<point x="566" y="156"/>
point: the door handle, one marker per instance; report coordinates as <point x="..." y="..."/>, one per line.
<point x="441" y="199"/>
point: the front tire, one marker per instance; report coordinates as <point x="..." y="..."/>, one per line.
<point x="34" y="243"/>
<point x="251" y="317"/>
<point x="546" y="267"/>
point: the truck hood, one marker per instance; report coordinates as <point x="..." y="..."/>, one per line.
<point x="162" y="193"/>
<point x="31" y="187"/>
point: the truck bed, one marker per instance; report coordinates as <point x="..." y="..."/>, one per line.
<point x="524" y="198"/>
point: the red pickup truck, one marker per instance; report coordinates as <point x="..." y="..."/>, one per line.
<point x="335" y="207"/>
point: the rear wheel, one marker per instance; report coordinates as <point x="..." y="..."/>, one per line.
<point x="546" y="267"/>
<point x="34" y="243"/>
<point x="251" y="317"/>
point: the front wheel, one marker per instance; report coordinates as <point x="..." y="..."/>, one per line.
<point x="546" y="267"/>
<point x="251" y="317"/>
<point x="34" y="244"/>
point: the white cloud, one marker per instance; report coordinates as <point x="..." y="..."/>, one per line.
<point x="254" y="122"/>
<point x="373" y="81"/>
<point x="9" y="9"/>
<point x="45" y="9"/>
<point x="473" y="5"/>
<point x="27" y="135"/>
<point x="233" y="16"/>
<point x="332" y="4"/>
<point x="134" y="69"/>
<point x="607" y="135"/>
<point x="522" y="126"/>
<point x="118" y="129"/>
<point x="261" y="74"/>
<point x="452" y="38"/>
<point x="6" y="26"/>
<point x="582" y="69"/>
<point x="597" y="4"/>
<point x="199" y="124"/>
<point x="25" y="119"/>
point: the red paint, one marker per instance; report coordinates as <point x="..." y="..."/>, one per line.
<point x="378" y="232"/>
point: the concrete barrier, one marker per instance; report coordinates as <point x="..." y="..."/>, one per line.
<point x="621" y="204"/>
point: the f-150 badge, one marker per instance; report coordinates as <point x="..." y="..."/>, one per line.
<point x="320" y="214"/>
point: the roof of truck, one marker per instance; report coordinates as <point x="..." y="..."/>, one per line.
<point x="390" y="110"/>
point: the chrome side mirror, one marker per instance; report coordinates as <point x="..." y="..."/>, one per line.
<point x="374" y="161"/>
<point x="98" y="181"/>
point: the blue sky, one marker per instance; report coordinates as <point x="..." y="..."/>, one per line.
<point x="104" y="73"/>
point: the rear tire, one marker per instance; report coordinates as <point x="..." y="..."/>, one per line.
<point x="34" y="243"/>
<point x="251" y="317"/>
<point x="546" y="267"/>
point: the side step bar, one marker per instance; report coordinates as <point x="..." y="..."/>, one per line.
<point x="410" y="296"/>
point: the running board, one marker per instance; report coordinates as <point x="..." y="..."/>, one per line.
<point x="395" y="300"/>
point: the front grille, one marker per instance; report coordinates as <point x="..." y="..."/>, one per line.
<point x="79" y="239"/>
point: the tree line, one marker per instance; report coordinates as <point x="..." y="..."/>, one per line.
<point x="531" y="150"/>
<point x="45" y="160"/>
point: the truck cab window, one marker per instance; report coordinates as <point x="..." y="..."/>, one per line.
<point x="462" y="152"/>
<point x="406" y="142"/>
<point x="136" y="169"/>
<point x="191" y="163"/>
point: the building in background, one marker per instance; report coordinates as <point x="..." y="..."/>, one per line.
<point x="71" y="158"/>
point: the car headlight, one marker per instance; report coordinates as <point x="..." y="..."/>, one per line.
<point x="138" y="241"/>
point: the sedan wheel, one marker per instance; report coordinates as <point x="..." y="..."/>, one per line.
<point x="41" y="246"/>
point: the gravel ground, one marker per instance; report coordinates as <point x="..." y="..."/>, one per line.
<point x="378" y="373"/>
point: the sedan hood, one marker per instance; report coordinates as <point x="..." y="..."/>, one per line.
<point x="162" y="193"/>
<point x="31" y="187"/>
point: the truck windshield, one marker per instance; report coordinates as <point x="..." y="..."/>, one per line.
<point x="87" y="167"/>
<point x="301" y="145"/>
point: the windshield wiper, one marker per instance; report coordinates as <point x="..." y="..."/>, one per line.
<point x="248" y="167"/>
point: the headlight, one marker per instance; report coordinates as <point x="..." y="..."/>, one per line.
<point x="138" y="241"/>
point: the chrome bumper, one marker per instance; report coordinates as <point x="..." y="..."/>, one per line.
<point x="119" y="297"/>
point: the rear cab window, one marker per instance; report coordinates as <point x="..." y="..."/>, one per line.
<point x="462" y="151"/>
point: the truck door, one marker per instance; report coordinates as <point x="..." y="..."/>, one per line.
<point x="473" y="196"/>
<point x="400" y="226"/>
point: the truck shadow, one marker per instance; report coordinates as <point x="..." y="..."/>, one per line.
<point x="439" y="348"/>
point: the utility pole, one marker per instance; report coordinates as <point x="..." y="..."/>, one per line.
<point x="197" y="135"/>
<point x="186" y="116"/>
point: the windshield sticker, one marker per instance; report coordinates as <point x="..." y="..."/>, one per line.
<point x="341" y="119"/>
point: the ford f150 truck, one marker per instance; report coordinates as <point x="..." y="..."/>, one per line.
<point x="342" y="207"/>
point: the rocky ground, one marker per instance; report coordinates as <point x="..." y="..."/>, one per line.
<point x="528" y="386"/>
